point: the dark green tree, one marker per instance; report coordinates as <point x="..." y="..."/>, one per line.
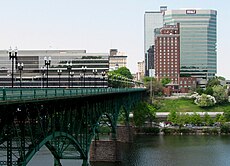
<point x="227" y="115"/>
<point x="172" y="116"/>
<point x="165" y="81"/>
<point x="212" y="82"/>
<point x="120" y="78"/>
<point x="208" y="91"/>
<point x="124" y="71"/>
<point x="143" y="112"/>
<point x="207" y="119"/>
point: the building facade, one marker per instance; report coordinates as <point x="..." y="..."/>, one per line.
<point x="198" y="41"/>
<point x="152" y="20"/>
<point x="85" y="69"/>
<point x="117" y="59"/>
<point x="141" y="70"/>
<point x="167" y="53"/>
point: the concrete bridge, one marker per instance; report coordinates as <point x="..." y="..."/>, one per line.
<point x="63" y="120"/>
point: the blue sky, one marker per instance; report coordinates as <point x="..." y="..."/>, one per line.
<point x="97" y="25"/>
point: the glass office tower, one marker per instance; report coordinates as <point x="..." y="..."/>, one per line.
<point x="152" y="20"/>
<point x="198" y="41"/>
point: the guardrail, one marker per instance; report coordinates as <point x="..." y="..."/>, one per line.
<point x="18" y="94"/>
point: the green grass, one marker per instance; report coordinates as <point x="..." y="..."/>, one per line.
<point x="187" y="105"/>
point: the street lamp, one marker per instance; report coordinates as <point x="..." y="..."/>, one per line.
<point x="43" y="69"/>
<point x="69" y="68"/>
<point x="84" y="68"/>
<point x="81" y="77"/>
<point x="13" y="55"/>
<point x="20" y="68"/>
<point x="72" y="74"/>
<point x="94" y="73"/>
<point x="59" y="71"/>
<point x="47" y="64"/>
<point x="103" y="76"/>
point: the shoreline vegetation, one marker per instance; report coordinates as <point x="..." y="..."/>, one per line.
<point x="204" y="130"/>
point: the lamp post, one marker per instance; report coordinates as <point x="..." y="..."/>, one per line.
<point x="20" y="68"/>
<point x="84" y="68"/>
<point x="69" y="68"/>
<point x="13" y="56"/>
<point x="81" y="77"/>
<point x="94" y="73"/>
<point x="47" y="64"/>
<point x="59" y="71"/>
<point x="72" y="74"/>
<point x="43" y="69"/>
<point x="103" y="76"/>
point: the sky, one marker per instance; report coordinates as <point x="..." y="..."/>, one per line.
<point x="97" y="25"/>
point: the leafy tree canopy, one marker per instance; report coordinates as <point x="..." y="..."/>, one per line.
<point x="220" y="94"/>
<point x="123" y="71"/>
<point x="165" y="81"/>
<point x="212" y="82"/>
<point x="142" y="112"/>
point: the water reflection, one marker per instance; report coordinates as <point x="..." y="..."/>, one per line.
<point x="163" y="151"/>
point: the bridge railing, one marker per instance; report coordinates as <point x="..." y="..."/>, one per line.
<point x="15" y="94"/>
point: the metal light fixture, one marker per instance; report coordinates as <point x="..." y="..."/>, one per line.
<point x="13" y="56"/>
<point x="69" y="68"/>
<point x="20" y="68"/>
<point x="47" y="64"/>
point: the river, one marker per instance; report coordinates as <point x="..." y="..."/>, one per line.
<point x="162" y="151"/>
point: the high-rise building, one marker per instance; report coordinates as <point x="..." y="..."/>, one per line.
<point x="167" y="53"/>
<point x="197" y="41"/>
<point x="167" y="59"/>
<point x="152" y="20"/>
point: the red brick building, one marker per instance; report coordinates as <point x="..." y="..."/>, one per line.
<point x="167" y="59"/>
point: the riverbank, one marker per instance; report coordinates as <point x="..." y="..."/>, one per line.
<point x="223" y="130"/>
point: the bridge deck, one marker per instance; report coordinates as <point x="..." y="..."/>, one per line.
<point x="22" y="94"/>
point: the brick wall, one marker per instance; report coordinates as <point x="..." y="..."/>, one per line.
<point x="106" y="151"/>
<point x="125" y="133"/>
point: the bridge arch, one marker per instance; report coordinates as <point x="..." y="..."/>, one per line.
<point x="30" y="154"/>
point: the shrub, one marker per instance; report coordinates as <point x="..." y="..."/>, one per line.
<point x="167" y="131"/>
<point x="151" y="130"/>
<point x="205" y="100"/>
<point x="225" y="129"/>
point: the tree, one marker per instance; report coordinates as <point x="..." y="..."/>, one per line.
<point x="221" y="119"/>
<point x="220" y="94"/>
<point x="172" y="116"/>
<point x="142" y="112"/>
<point x="165" y="81"/>
<point x="221" y="78"/>
<point x="208" y="91"/>
<point x="196" y="119"/>
<point x="157" y="88"/>
<point x="119" y="77"/>
<point x="207" y="119"/>
<point x="124" y="71"/>
<point x="212" y="82"/>
<point x="227" y="115"/>
<point x="199" y="90"/>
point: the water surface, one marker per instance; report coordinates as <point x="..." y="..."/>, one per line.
<point x="162" y="151"/>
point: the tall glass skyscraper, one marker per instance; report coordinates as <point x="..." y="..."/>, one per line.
<point x="152" y="20"/>
<point x="198" y="41"/>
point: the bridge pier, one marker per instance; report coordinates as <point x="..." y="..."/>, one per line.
<point x="125" y="134"/>
<point x="110" y="150"/>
